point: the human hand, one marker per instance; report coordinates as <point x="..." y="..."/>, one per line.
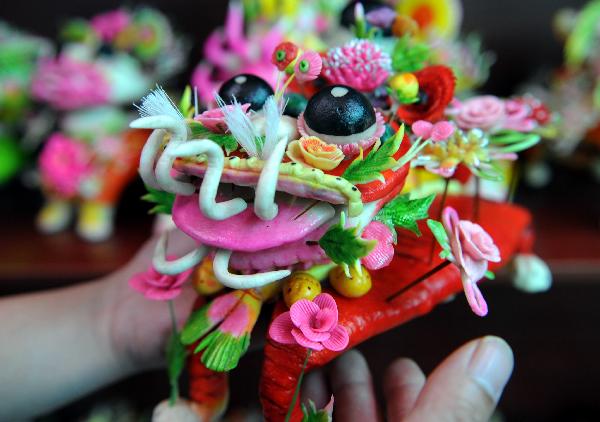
<point x="466" y="386"/>
<point x="138" y="327"/>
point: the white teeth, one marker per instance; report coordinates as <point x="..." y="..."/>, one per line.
<point x="163" y="266"/>
<point x="149" y="152"/>
<point x="264" y="203"/>
<point x="212" y="178"/>
<point x="235" y="281"/>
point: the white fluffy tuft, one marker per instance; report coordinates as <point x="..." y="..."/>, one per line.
<point x="241" y="127"/>
<point x="158" y="103"/>
<point x="273" y="111"/>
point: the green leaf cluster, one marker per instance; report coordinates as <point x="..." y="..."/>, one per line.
<point x="176" y="355"/>
<point x="405" y="212"/>
<point x="163" y="201"/>
<point x="225" y="140"/>
<point x="312" y="414"/>
<point x="343" y="245"/>
<point x="409" y="56"/>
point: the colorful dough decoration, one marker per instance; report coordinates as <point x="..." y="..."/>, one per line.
<point x="306" y="212"/>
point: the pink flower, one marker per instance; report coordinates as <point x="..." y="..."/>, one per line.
<point x="156" y="286"/>
<point x="68" y="84"/>
<point x="383" y="253"/>
<point x="108" y="25"/>
<point x="519" y="116"/>
<point x="308" y="66"/>
<point x="64" y="163"/>
<point x="472" y="248"/>
<point x="485" y="112"/>
<point x="313" y="325"/>
<point x="439" y="131"/>
<point x="214" y="119"/>
<point x="359" y="64"/>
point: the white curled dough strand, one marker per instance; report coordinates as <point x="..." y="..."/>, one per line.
<point x="177" y="266"/>
<point x="264" y="203"/>
<point x="210" y="183"/>
<point x="178" y="130"/>
<point x="148" y="157"/>
<point x="235" y="281"/>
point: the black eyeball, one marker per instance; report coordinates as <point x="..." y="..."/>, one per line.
<point x="339" y="110"/>
<point x="246" y="88"/>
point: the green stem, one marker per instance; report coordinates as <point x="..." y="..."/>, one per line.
<point x="297" y="390"/>
<point x="173" y="382"/>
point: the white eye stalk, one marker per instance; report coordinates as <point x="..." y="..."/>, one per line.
<point x="235" y="281"/>
<point x="177" y="266"/>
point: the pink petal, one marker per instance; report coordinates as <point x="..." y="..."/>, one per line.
<point x="302" y="312"/>
<point x="281" y="329"/>
<point x="422" y="128"/>
<point x="138" y="283"/>
<point x="383" y="253"/>
<point x="324" y="320"/>
<point x="475" y="268"/>
<point x="442" y="131"/>
<point x="222" y="306"/>
<point x="305" y="342"/>
<point x="474" y="297"/>
<point x="153" y="293"/>
<point x="314" y="335"/>
<point x="326" y="301"/>
<point x="339" y="339"/>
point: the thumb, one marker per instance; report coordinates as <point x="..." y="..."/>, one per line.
<point x="468" y="384"/>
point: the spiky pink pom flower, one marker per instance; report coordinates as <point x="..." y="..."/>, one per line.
<point x="313" y="325"/>
<point x="359" y="64"/>
<point x="308" y="67"/>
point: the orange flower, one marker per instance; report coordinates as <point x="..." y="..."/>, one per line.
<point x="313" y="152"/>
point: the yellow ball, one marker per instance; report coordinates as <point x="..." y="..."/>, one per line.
<point x="300" y="285"/>
<point x="356" y="285"/>
<point x="204" y="280"/>
<point x="405" y="85"/>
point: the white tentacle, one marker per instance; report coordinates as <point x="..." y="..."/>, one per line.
<point x="174" y="267"/>
<point x="235" y="281"/>
<point x="148" y="157"/>
<point x="179" y="133"/>
<point x="264" y="203"/>
<point x="210" y="183"/>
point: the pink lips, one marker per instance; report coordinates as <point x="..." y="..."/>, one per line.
<point x="245" y="231"/>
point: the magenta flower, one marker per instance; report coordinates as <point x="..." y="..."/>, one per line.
<point x="485" y="112"/>
<point x="383" y="252"/>
<point x="308" y="66"/>
<point x="439" y="131"/>
<point x="108" y="25"/>
<point x="472" y="248"/>
<point x="359" y="63"/>
<point x="156" y="286"/>
<point x="313" y="325"/>
<point x="214" y="119"/>
<point x="64" y="164"/>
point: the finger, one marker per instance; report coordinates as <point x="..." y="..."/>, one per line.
<point x="314" y="388"/>
<point x="468" y="384"/>
<point x="353" y="389"/>
<point x="402" y="384"/>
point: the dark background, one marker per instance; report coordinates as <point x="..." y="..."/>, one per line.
<point x="554" y="335"/>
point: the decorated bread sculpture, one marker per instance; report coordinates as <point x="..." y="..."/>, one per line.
<point x="106" y="63"/>
<point x="574" y="93"/>
<point x="313" y="213"/>
<point x="19" y="55"/>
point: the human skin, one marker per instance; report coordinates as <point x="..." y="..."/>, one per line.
<point x="62" y="344"/>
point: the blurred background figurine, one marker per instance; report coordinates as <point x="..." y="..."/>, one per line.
<point x="104" y="64"/>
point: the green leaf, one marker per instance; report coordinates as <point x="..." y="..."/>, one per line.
<point x="224" y="140"/>
<point x="312" y="414"/>
<point x="222" y="351"/>
<point x="163" y="201"/>
<point x="185" y="104"/>
<point x="409" y="56"/>
<point x="176" y="355"/>
<point x="514" y="141"/>
<point x="439" y="233"/>
<point x="197" y="325"/>
<point x="405" y="212"/>
<point x="369" y="168"/>
<point x="343" y="246"/>
<point x="582" y="39"/>
<point x="490" y="275"/>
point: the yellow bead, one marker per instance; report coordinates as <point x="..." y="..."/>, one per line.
<point x="356" y="285"/>
<point x="300" y="285"/>
<point x="405" y="85"/>
<point x="204" y="280"/>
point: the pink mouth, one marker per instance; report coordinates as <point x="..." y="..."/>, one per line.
<point x="245" y="232"/>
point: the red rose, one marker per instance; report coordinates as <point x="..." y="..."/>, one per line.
<point x="437" y="84"/>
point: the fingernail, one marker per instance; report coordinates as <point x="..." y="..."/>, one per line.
<point x="491" y="366"/>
